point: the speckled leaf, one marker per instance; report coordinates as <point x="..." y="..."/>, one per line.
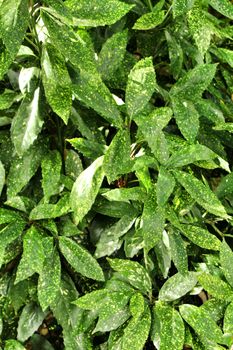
<point x="125" y="194"/>
<point x="225" y="187"/>
<point x="98" y="12"/>
<point x="201" y="237"/>
<point x="73" y="164"/>
<point x="140" y="86"/>
<point x="13" y="24"/>
<point x="7" y="215"/>
<point x="90" y="89"/>
<point x="190" y="154"/>
<point x="201" y="193"/>
<point x="137" y="305"/>
<point x="86" y="188"/>
<point x="33" y="255"/>
<point x="187" y="118"/>
<point x="223" y="6"/>
<point x="175" y="53"/>
<point x="192" y="84"/>
<point x="27" y="122"/>
<point x="224" y="126"/>
<point x="80" y="259"/>
<point x="165" y="186"/>
<point x="137" y="331"/>
<point x="89" y="148"/>
<point x="2" y="177"/>
<point x="163" y="254"/>
<point x="215" y="308"/>
<point x="180" y="7"/>
<point x="13" y="345"/>
<point x="111" y="318"/>
<point x="51" y="171"/>
<point x="30" y="319"/>
<point x="7" y="98"/>
<point x="112" y="54"/>
<point x="178" y="252"/>
<point x="56" y="81"/>
<point x="202" y="324"/>
<point x="215" y="286"/>
<point x="92" y="300"/>
<point x="149" y="20"/>
<point x="79" y="49"/>
<point x="170" y="329"/>
<point x="224" y="55"/>
<point x="117" y="159"/>
<point x="177" y="286"/>
<point x="228" y="320"/>
<point x="133" y="272"/>
<point x="226" y="259"/>
<point x="51" y="211"/>
<point x="23" y="168"/>
<point x="50" y="275"/>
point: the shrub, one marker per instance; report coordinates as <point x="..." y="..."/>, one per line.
<point x="115" y="174"/>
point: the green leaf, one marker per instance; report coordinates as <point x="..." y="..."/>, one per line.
<point x="187" y="118"/>
<point x="73" y="164"/>
<point x="201" y="193"/>
<point x="149" y="20"/>
<point x="88" y="148"/>
<point x="50" y="275"/>
<point x="2" y="177"/>
<point x="133" y="272"/>
<point x="13" y="345"/>
<point x="226" y="259"/>
<point x="180" y="7"/>
<point x="215" y="286"/>
<point x="170" y="330"/>
<point x="225" y="188"/>
<point x="51" y="211"/>
<point x="24" y="167"/>
<point x="190" y="154"/>
<point x="215" y="308"/>
<point x="86" y="188"/>
<point x="140" y="86"/>
<point x="97" y="13"/>
<point x="56" y="82"/>
<point x="165" y="186"/>
<point x="177" y="286"/>
<point x="137" y="305"/>
<point x="30" y="319"/>
<point x="125" y="194"/>
<point x="27" y="123"/>
<point x="112" y="54"/>
<point x="224" y="55"/>
<point x="7" y="215"/>
<point x="33" y="255"/>
<point x="175" y="53"/>
<point x="80" y="259"/>
<point x="7" y="98"/>
<point x="223" y="6"/>
<point x="51" y="171"/>
<point x="228" y="320"/>
<point x="109" y="320"/>
<point x="201" y="237"/>
<point x="117" y="159"/>
<point x="178" y="252"/>
<point x="202" y="324"/>
<point x="163" y="254"/>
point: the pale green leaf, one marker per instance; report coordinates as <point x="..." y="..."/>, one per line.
<point x="33" y="255"/>
<point x="7" y="98"/>
<point x="73" y="164"/>
<point x="98" y="12"/>
<point x="223" y="6"/>
<point x="125" y="194"/>
<point x="181" y="7"/>
<point x="50" y="275"/>
<point x="51" y="211"/>
<point x="30" y="319"/>
<point x="56" y="82"/>
<point x="133" y="272"/>
<point x="51" y="170"/>
<point x="86" y="188"/>
<point x="201" y="193"/>
<point x="177" y="286"/>
<point x="13" y="345"/>
<point x="137" y="305"/>
<point x="228" y="320"/>
<point x="226" y="260"/>
<point x="201" y="237"/>
<point x="215" y="286"/>
<point x="80" y="259"/>
<point x="149" y="20"/>
<point x="117" y="159"/>
<point x="140" y="86"/>
<point x="27" y="122"/>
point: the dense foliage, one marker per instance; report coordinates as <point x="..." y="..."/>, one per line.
<point x="116" y="148"/>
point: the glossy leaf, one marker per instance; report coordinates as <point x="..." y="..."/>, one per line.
<point x="86" y="188"/>
<point x="51" y="168"/>
<point x="98" y="13"/>
<point x="149" y="20"/>
<point x="177" y="286"/>
<point x="201" y="193"/>
<point x="201" y="237"/>
<point x="226" y="259"/>
<point x="228" y="320"/>
<point x="56" y="81"/>
<point x="165" y="186"/>
<point x="117" y="159"/>
<point x="51" y="211"/>
<point x="80" y="259"/>
<point x="30" y="319"/>
<point x="125" y="194"/>
<point x="2" y="177"/>
<point x="140" y="86"/>
<point x="133" y="272"/>
<point x="224" y="7"/>
<point x="178" y="252"/>
<point x="215" y="286"/>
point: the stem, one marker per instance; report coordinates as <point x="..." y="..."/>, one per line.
<point x="32" y="43"/>
<point x="150" y="5"/>
<point x="217" y="230"/>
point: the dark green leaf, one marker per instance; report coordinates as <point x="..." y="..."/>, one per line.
<point x="7" y="98"/>
<point x="80" y="259"/>
<point x="201" y="237"/>
<point x="165" y="186"/>
<point x="51" y="168"/>
<point x="175" y="52"/>
<point x="178" y="252"/>
<point x="177" y="286"/>
<point x="226" y="259"/>
<point x="51" y="211"/>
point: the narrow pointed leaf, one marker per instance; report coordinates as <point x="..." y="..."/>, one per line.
<point x="178" y="252"/>
<point x="165" y="186"/>
<point x="149" y="20"/>
<point x="177" y="286"/>
<point x="201" y="237"/>
<point x="51" y="171"/>
<point x="216" y="286"/>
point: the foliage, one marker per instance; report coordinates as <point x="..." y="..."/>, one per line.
<point x="115" y="174"/>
